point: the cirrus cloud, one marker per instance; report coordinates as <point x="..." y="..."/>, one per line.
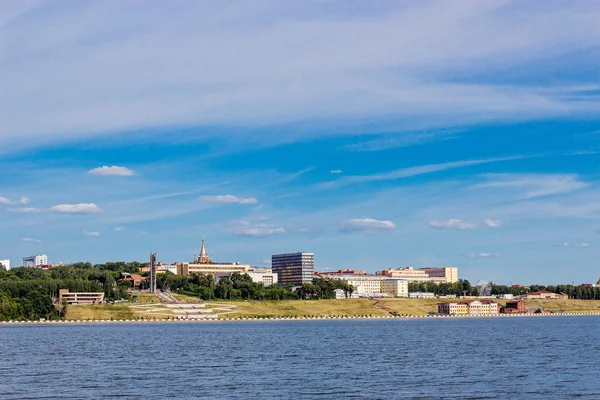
<point x="492" y="223"/>
<point x="25" y="210"/>
<point x="28" y="239"/>
<point x="482" y="255"/>
<point x="577" y="245"/>
<point x="244" y="228"/>
<point x="81" y="208"/>
<point x="111" y="171"/>
<point x="91" y="233"/>
<point x="228" y="199"/>
<point x="366" y="225"/>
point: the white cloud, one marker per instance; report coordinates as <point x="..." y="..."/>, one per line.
<point x="412" y="71"/>
<point x="411" y="171"/>
<point x="244" y="228"/>
<point x="119" y="229"/>
<point x="26" y="210"/>
<point x="4" y="200"/>
<point x="335" y="171"/>
<point x="576" y="245"/>
<point x="492" y="223"/>
<point x="91" y="233"/>
<point x="531" y="186"/>
<point x="452" y="223"/>
<point x="27" y="239"/>
<point x="229" y="199"/>
<point x="114" y="170"/>
<point x="81" y="208"/>
<point x="482" y="255"/>
<point x="24" y="200"/>
<point x="366" y="225"/>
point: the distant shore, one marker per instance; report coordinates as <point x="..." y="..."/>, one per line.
<point x="315" y="318"/>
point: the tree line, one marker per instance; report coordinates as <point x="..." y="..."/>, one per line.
<point x="29" y="293"/>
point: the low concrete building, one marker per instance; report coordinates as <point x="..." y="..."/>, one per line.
<point x="135" y="279"/>
<point x="421" y="295"/>
<point x="77" y="298"/>
<point x="267" y="278"/>
<point x="340" y="294"/>
<point x="5" y="264"/>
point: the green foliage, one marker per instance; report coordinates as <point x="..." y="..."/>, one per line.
<point x="28" y="293"/>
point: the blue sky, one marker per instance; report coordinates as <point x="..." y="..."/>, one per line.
<point x="427" y="134"/>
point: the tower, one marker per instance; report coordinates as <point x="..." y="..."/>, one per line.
<point x="203" y="257"/>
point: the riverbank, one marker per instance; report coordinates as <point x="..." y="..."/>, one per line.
<point x="147" y="307"/>
<point x="306" y="318"/>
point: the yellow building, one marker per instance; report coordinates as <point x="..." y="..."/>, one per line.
<point x="205" y="265"/>
<point x="469" y="307"/>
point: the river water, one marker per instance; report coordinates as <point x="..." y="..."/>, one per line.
<point x="495" y="358"/>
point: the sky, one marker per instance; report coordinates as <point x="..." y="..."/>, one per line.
<point x="377" y="134"/>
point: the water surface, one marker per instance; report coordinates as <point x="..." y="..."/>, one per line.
<point x="516" y="358"/>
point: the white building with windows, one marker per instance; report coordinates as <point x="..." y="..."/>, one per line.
<point x="35" y="261"/>
<point x="5" y="264"/>
<point x="375" y="286"/>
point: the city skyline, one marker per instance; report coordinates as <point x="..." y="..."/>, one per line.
<point x="286" y="132"/>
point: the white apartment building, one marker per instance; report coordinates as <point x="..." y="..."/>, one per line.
<point x="35" y="261"/>
<point x="5" y="264"/>
<point x="375" y="286"/>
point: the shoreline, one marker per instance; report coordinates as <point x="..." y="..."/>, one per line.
<point x="270" y="319"/>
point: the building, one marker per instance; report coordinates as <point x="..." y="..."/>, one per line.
<point x="449" y="273"/>
<point x="205" y="265"/>
<point x="374" y="286"/>
<point x="294" y="268"/>
<point x="5" y="264"/>
<point x="135" y="279"/>
<point x="434" y="275"/>
<point x="267" y="278"/>
<point x="421" y="295"/>
<point x="515" y="307"/>
<point x="340" y="294"/>
<point x="341" y="271"/>
<point x="544" y="295"/>
<point x="35" y="261"/>
<point x="469" y="307"/>
<point x="77" y="298"/>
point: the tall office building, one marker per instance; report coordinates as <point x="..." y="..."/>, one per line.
<point x="294" y="268"/>
<point x="35" y="261"/>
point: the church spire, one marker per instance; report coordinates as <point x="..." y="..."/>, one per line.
<point x="203" y="257"/>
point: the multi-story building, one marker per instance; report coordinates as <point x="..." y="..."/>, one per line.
<point x="515" y="307"/>
<point x="294" y="268"/>
<point x="374" y="285"/>
<point x="76" y="298"/>
<point x="35" y="261"/>
<point x="449" y="273"/>
<point x="469" y="307"/>
<point x="5" y="264"/>
<point x="205" y="265"/>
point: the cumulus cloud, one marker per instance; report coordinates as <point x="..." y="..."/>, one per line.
<point x="492" y="223"/>
<point x="26" y="210"/>
<point x="229" y="199"/>
<point x="577" y="245"/>
<point x="335" y="171"/>
<point x="91" y="233"/>
<point x="27" y="239"/>
<point x="81" y="208"/>
<point x="482" y="255"/>
<point x="244" y="228"/>
<point x="23" y="200"/>
<point x="452" y="223"/>
<point x="366" y="225"/>
<point x="113" y="170"/>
